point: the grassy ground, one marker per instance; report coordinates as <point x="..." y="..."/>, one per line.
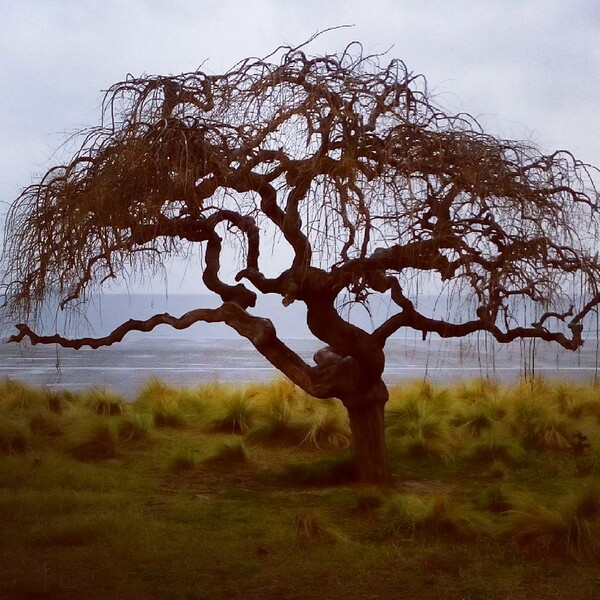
<point x="222" y="492"/>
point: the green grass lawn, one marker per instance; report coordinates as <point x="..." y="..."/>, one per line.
<point x="224" y="492"/>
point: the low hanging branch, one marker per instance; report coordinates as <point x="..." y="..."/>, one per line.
<point x="363" y="185"/>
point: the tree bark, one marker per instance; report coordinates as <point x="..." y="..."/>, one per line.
<point x="368" y="435"/>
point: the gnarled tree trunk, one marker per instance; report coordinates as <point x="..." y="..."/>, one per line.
<point x="366" y="413"/>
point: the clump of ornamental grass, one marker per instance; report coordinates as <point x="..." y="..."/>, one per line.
<point x="571" y="528"/>
<point x="497" y="469"/>
<point x="495" y="446"/>
<point x="536" y="420"/>
<point x="421" y="449"/>
<point x="236" y="413"/>
<point x="399" y="515"/>
<point x="477" y="407"/>
<point x="278" y="425"/>
<point x="16" y="397"/>
<point x="476" y="418"/>
<point x="277" y="419"/>
<point x="279" y="391"/>
<point x="168" y="414"/>
<point x="183" y="459"/>
<point x="154" y="391"/>
<point x="134" y="427"/>
<point x="312" y="528"/>
<point x="443" y="516"/>
<point x="434" y="395"/>
<point x="477" y="391"/>
<point x="405" y="408"/>
<point x="58" y="401"/>
<point x="478" y="422"/>
<point x="588" y="463"/>
<point x="14" y="436"/>
<point x="561" y="531"/>
<point x="367" y="501"/>
<point x="581" y="407"/>
<point x="546" y="432"/>
<point x="46" y="423"/>
<point x="429" y="425"/>
<point x="104" y="402"/>
<point x="285" y="390"/>
<point x="43" y="410"/>
<point x="564" y="396"/>
<point x="199" y="402"/>
<point x="528" y="399"/>
<point x="326" y="428"/>
<point x="54" y="401"/>
<point x="577" y="402"/>
<point x="421" y="412"/>
<point x="408" y="514"/>
<point x="585" y="502"/>
<point x="89" y="437"/>
<point x="189" y="403"/>
<point x="422" y="436"/>
<point x="160" y="401"/>
<point x="520" y="398"/>
<point x="314" y="424"/>
<point x="417" y="406"/>
<point x="228" y="452"/>
<point x="496" y="499"/>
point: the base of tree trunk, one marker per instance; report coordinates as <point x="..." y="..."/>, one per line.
<point x="368" y="434"/>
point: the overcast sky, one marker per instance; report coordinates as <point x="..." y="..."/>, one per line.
<point x="528" y="69"/>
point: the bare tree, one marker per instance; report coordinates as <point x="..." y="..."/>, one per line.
<point x="348" y="163"/>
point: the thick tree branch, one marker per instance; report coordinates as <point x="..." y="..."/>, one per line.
<point x="327" y="379"/>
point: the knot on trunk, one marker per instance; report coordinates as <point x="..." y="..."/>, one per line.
<point x="347" y="379"/>
<point x="339" y="374"/>
<point x="328" y="357"/>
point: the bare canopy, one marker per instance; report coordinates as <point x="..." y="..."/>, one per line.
<point x="349" y="164"/>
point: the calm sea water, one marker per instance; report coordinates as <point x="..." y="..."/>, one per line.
<point x="210" y="352"/>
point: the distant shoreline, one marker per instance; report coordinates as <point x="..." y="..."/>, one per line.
<point x="187" y="362"/>
<point x="214" y="352"/>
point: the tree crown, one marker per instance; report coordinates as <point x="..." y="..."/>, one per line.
<point x="347" y="162"/>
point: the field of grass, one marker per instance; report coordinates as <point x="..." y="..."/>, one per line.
<point x="226" y="492"/>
